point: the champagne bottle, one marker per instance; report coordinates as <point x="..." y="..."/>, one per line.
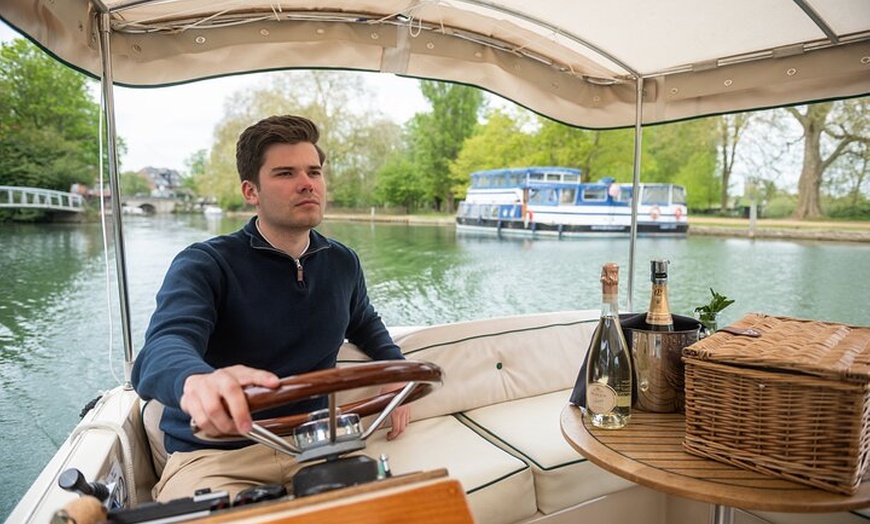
<point x="659" y="315"/>
<point x="608" y="362"/>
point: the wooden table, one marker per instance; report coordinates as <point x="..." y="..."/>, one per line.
<point x="649" y="451"/>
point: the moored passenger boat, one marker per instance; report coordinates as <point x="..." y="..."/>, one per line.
<point x="554" y="201"/>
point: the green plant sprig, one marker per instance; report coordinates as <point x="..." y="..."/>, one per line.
<point x="711" y="309"/>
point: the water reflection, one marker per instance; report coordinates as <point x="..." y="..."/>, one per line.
<point x="42" y="271"/>
<point x="59" y="333"/>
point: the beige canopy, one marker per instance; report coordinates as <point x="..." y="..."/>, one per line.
<point x="576" y="61"/>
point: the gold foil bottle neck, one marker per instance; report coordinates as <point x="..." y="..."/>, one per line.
<point x="610" y="278"/>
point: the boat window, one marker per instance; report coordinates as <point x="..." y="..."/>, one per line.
<point x="596" y="193"/>
<point x="554" y="177"/>
<point x="543" y="196"/>
<point x="536" y="176"/>
<point x="624" y="194"/>
<point x="679" y="195"/>
<point x="515" y="179"/>
<point x="567" y="196"/>
<point x="656" y="195"/>
<point x="568" y="177"/>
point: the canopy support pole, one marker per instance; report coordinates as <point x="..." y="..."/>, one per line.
<point x="635" y="189"/>
<point x="107" y="84"/>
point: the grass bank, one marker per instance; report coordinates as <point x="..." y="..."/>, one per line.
<point x="834" y="230"/>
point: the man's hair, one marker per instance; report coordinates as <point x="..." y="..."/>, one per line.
<point x="278" y="129"/>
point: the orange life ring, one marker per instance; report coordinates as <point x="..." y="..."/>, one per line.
<point x="654" y="212"/>
<point x="679" y="212"/>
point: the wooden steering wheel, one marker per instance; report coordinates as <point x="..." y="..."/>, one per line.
<point x="423" y="375"/>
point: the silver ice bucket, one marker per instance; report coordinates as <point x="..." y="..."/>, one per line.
<point x="658" y="364"/>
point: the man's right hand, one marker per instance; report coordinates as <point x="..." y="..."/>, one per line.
<point x="216" y="401"/>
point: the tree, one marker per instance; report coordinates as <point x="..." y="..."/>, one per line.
<point x="363" y="154"/>
<point x="438" y="136"/>
<point x="499" y="142"/>
<point x="830" y="129"/>
<point x="597" y="154"/>
<point x="48" y="121"/>
<point x="683" y="153"/>
<point x="396" y="187"/>
<point x="135" y="184"/>
<point x="357" y="140"/>
<point x="195" y="170"/>
<point x="852" y="172"/>
<point x="730" y="129"/>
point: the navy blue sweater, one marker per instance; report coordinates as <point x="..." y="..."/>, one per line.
<point x="234" y="299"/>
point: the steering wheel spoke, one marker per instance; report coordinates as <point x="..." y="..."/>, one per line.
<point x="398" y="400"/>
<point x="267" y="438"/>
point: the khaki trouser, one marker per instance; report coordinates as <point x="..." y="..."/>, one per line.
<point x="223" y="470"/>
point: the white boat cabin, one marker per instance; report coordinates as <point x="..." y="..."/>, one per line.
<point x="554" y="201"/>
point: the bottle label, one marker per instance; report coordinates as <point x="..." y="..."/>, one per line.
<point x="600" y="398"/>
<point x="659" y="313"/>
<point x="657" y="318"/>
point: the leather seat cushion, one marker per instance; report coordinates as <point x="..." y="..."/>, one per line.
<point x="152" y="411"/>
<point x="499" y="486"/>
<point x="529" y="427"/>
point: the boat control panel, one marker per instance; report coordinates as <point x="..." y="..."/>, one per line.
<point x="95" y="504"/>
<point x="98" y="495"/>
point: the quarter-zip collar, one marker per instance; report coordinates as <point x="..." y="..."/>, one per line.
<point x="264" y="237"/>
<point x="317" y="242"/>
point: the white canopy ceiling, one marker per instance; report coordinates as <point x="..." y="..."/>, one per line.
<point x="573" y="60"/>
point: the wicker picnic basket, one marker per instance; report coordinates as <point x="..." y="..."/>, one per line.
<point x="783" y="396"/>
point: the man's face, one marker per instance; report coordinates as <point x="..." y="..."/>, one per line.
<point x="292" y="192"/>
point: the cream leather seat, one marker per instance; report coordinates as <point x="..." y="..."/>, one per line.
<point x="152" y="411"/>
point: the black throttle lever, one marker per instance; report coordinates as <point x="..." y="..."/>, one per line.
<point x="73" y="480"/>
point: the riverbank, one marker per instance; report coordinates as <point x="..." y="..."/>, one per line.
<point x="837" y="231"/>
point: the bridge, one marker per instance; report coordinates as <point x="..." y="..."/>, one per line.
<point x="149" y="205"/>
<point x="37" y="198"/>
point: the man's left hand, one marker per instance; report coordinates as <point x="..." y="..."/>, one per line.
<point x="400" y="417"/>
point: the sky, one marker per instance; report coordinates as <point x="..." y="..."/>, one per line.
<point x="188" y="114"/>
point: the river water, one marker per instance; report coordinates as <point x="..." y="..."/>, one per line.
<point x="60" y="340"/>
